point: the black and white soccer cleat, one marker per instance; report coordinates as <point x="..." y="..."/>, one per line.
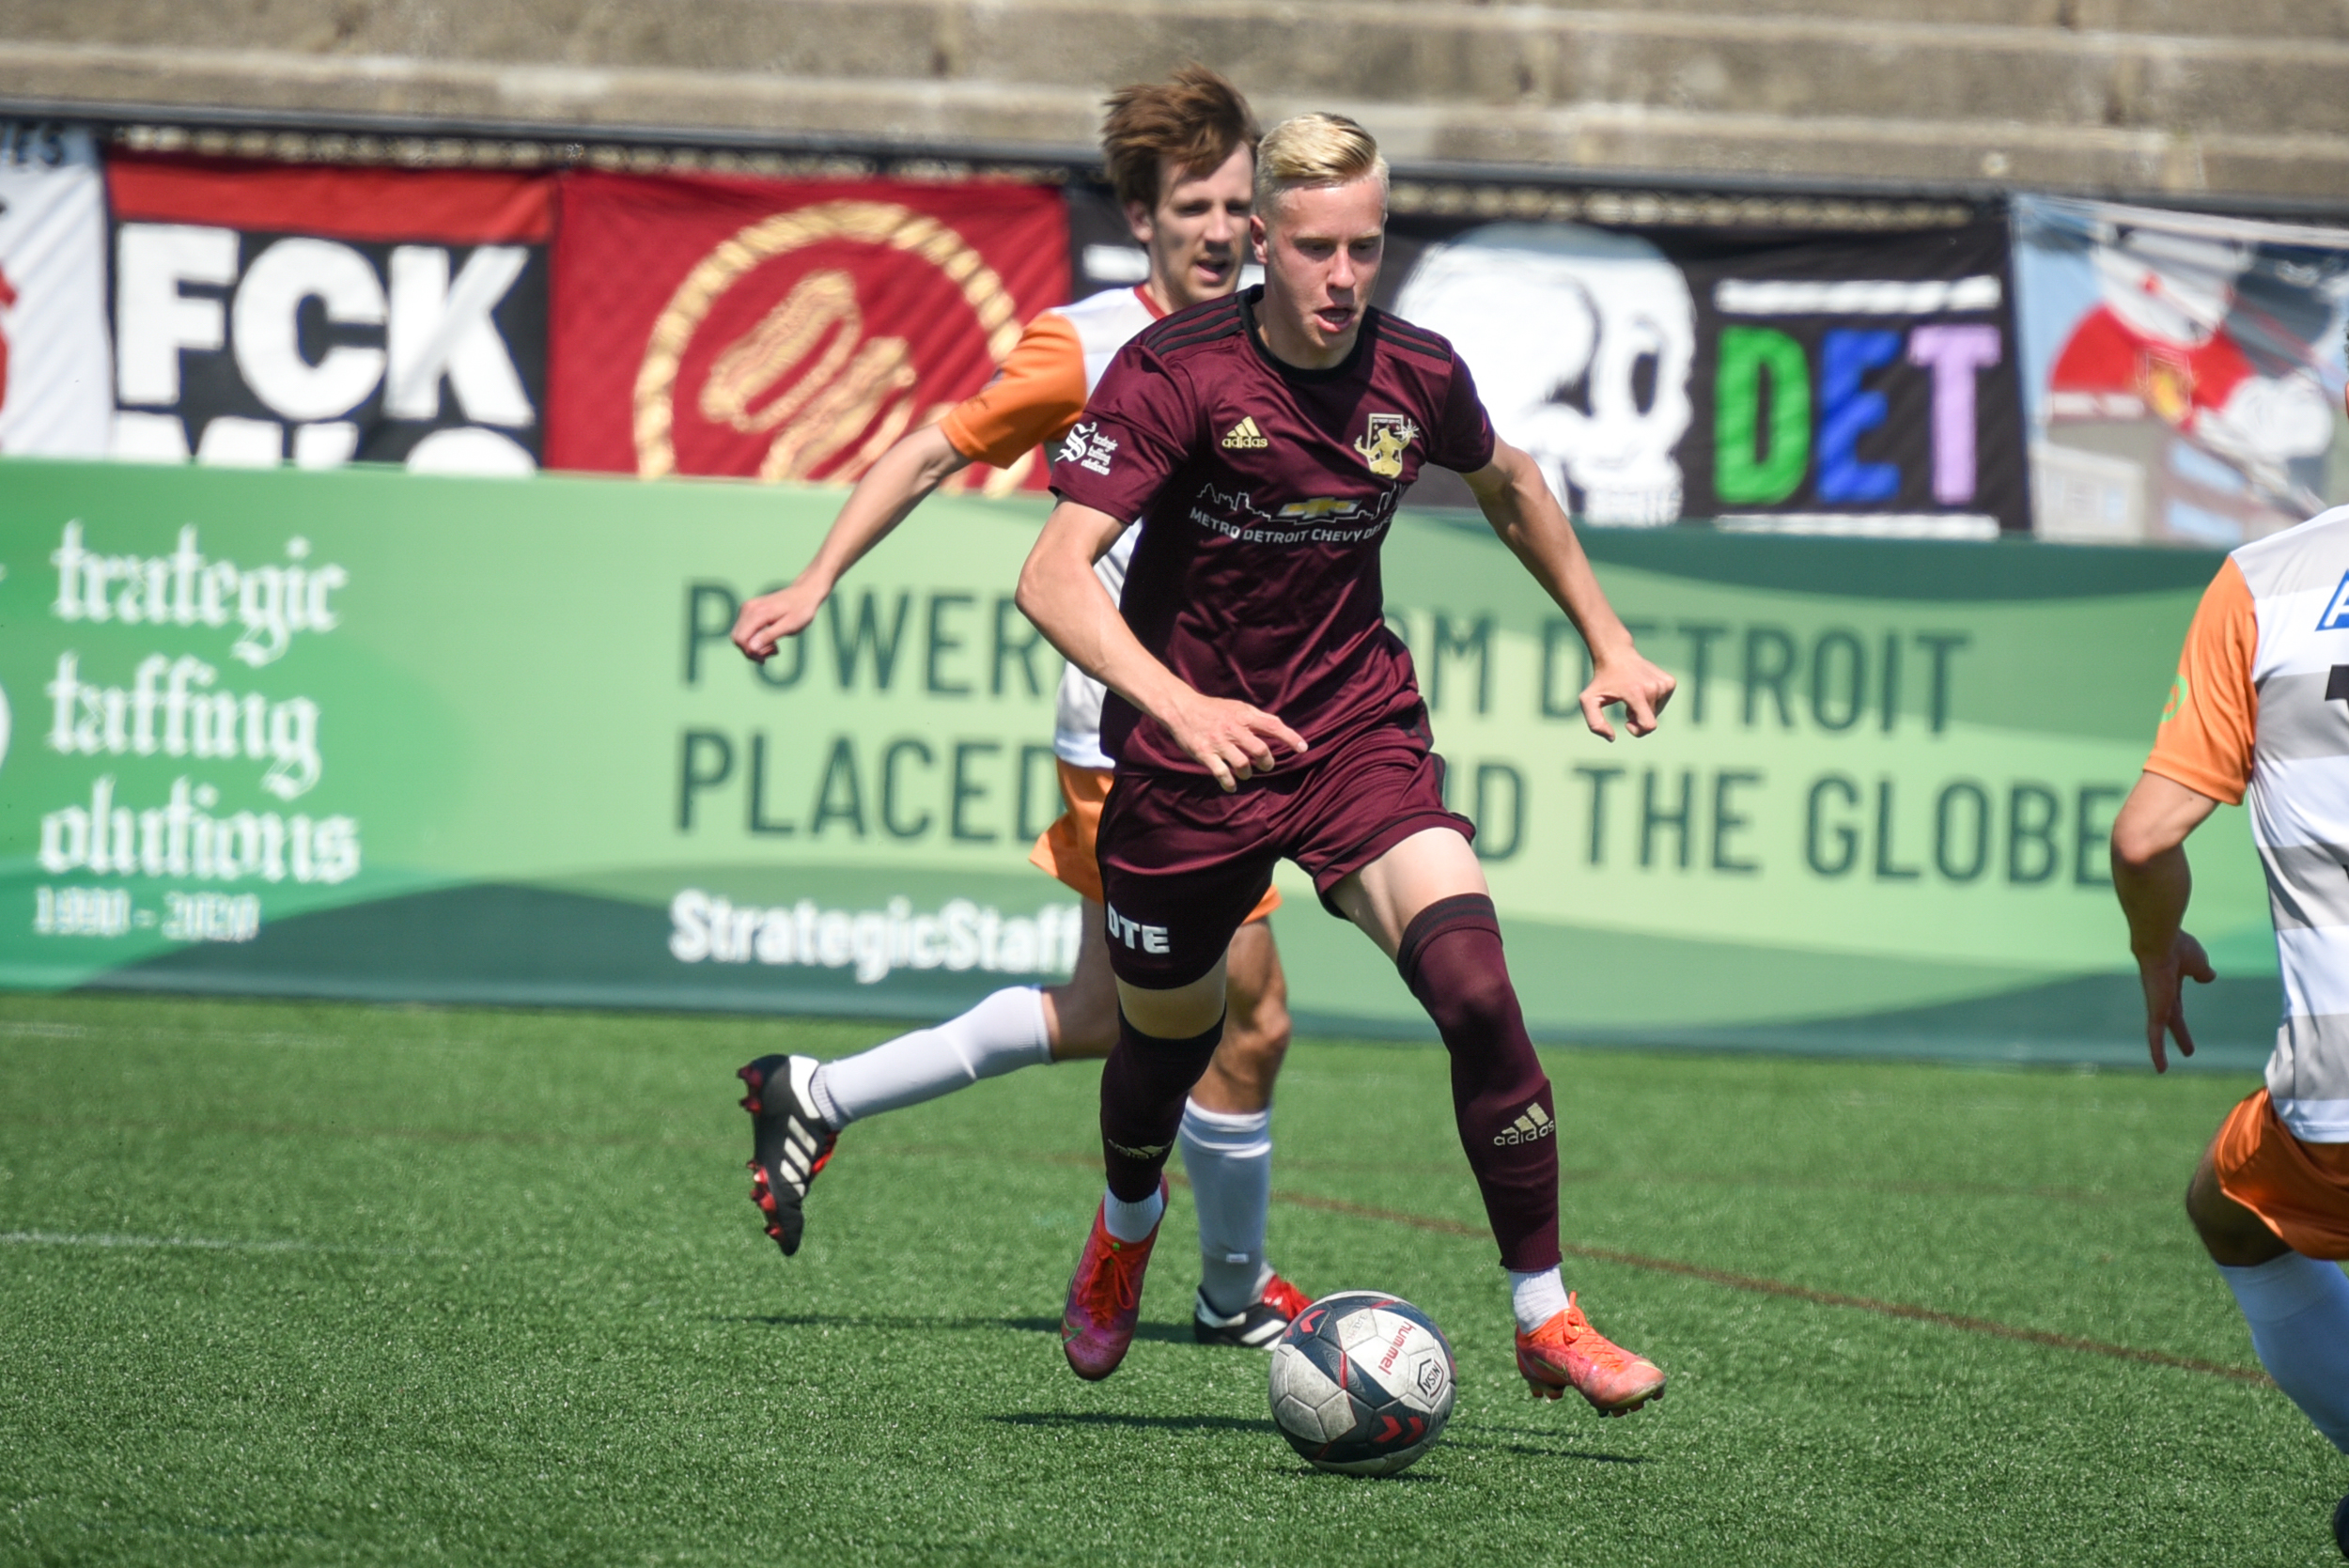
<point x="789" y="1143"/>
<point x="1256" y="1327"/>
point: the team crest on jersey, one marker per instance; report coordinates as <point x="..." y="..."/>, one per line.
<point x="1382" y="444"/>
<point x="1245" y="437"/>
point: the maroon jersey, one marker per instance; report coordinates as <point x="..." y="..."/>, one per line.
<point x="1264" y="492"/>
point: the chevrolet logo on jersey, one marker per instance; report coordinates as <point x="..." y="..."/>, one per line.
<point x="1245" y="437"/>
<point x="1382" y="444"/>
<point x="1322" y="506"/>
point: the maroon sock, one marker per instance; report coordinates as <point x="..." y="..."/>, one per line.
<point x="1451" y="959"/>
<point x="1142" y="1089"/>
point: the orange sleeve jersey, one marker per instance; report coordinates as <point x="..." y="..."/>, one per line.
<point x="1032" y="400"/>
<point x="2205" y="737"/>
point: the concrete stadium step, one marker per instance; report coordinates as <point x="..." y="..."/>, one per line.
<point x="2276" y="19"/>
<point x="2122" y="95"/>
<point x="1380" y="51"/>
<point x="984" y="114"/>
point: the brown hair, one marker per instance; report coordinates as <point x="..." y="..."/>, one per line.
<point x="1194" y="116"/>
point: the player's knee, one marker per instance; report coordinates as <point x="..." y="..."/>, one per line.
<point x="1462" y="988"/>
<point x="1259" y="1032"/>
<point x="1088" y="1021"/>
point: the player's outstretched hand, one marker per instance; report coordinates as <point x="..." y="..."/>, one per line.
<point x="1639" y="687"/>
<point x="1232" y="741"/>
<point x="2164" y="976"/>
<point x="771" y="617"/>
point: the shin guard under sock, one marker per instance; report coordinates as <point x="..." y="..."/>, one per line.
<point x="1228" y="1157"/>
<point x="1451" y="959"/>
<point x="2299" y="1310"/>
<point x="1144" y="1086"/>
<point x="1003" y="1032"/>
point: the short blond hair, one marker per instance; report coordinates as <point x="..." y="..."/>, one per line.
<point x="1315" y="150"/>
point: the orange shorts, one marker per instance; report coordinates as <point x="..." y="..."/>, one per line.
<point x="1065" y="849"/>
<point x="2301" y="1189"/>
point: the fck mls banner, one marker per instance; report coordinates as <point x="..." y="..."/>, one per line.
<point x="787" y="330"/>
<point x="2183" y="373"/>
<point x="362" y="733"/>
<point x="269" y="313"/>
<point x="1862" y="385"/>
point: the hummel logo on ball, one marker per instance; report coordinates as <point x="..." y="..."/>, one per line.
<point x="1244" y="436"/>
<point x="1534" y="1123"/>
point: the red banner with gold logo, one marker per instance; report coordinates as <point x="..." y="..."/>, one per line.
<point x="783" y="330"/>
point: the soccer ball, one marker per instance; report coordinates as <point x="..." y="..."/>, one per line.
<point x="1362" y="1383"/>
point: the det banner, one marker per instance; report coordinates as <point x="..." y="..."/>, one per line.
<point x="370" y="735"/>
<point x="785" y="330"/>
<point x="55" y="373"/>
<point x="2182" y="372"/>
<point x="1842" y="384"/>
<point x="1856" y="383"/>
<point x="270" y="313"/>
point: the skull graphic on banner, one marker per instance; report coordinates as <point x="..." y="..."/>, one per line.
<point x="1587" y="369"/>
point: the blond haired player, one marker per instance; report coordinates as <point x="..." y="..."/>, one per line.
<point x="1260" y="710"/>
<point x="2261" y="711"/>
<point x="1181" y="156"/>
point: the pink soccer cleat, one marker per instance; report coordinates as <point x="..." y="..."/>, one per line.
<point x="1105" y="1299"/>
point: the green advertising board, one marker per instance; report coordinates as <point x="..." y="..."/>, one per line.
<point x="375" y="734"/>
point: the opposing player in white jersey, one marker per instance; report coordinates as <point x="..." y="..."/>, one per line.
<point x="2260" y="709"/>
<point x="1181" y="155"/>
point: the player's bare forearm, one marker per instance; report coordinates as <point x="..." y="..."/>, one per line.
<point x="1059" y="593"/>
<point x="902" y="478"/>
<point x="1517" y="502"/>
<point x="2152" y="878"/>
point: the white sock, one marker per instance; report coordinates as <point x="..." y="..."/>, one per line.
<point x="1229" y="1157"/>
<point x="2299" y="1310"/>
<point x="1132" y="1221"/>
<point x="1536" y="1297"/>
<point x="1003" y="1031"/>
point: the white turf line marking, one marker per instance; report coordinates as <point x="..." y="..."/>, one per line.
<point x="41" y="1030"/>
<point x="206" y="1244"/>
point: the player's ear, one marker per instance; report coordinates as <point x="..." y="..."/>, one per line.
<point x="1257" y="239"/>
<point x="1137" y="220"/>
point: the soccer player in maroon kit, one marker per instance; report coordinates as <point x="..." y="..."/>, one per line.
<point x="1259" y="708"/>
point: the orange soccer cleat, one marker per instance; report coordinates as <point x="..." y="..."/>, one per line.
<point x="1567" y="1353"/>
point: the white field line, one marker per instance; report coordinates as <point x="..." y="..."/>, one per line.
<point x="43" y="1029"/>
<point x="203" y="1244"/>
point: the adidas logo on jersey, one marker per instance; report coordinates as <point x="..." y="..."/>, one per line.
<point x="1534" y="1123"/>
<point x="1245" y="437"/>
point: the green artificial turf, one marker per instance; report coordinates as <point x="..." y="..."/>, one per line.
<point x="313" y="1284"/>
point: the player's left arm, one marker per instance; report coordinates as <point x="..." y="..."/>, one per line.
<point x="2154" y="882"/>
<point x="2202" y="760"/>
<point x="1518" y="502"/>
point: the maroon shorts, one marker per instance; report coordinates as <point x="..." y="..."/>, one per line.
<point x="1183" y="864"/>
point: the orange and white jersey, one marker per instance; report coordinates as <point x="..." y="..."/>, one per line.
<point x="1033" y="400"/>
<point x="2261" y="710"/>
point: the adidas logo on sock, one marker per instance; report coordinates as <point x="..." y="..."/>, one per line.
<point x="1244" y="436"/>
<point x="1534" y="1123"/>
